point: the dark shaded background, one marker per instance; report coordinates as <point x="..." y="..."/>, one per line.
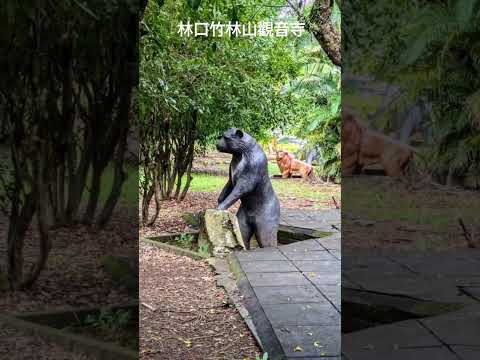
<point x="69" y="177"/>
<point x="411" y="263"/>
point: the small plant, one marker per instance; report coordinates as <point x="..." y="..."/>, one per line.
<point x="109" y="319"/>
<point x="204" y="249"/>
<point x="185" y="240"/>
<point x="264" y="357"/>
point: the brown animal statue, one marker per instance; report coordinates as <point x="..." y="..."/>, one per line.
<point x="288" y="165"/>
<point x="362" y="147"/>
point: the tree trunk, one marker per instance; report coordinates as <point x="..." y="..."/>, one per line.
<point x="60" y="203"/>
<point x="321" y="26"/>
<point x="76" y="184"/>
<point x="151" y="222"/>
<point x="19" y="223"/>
<point x="94" y="195"/>
<point x="43" y="252"/>
<point x="146" y="199"/>
<point x="42" y="211"/>
<point x="66" y="146"/>
<point x="179" y="185"/>
<point x="189" y="180"/>
<point x="15" y="248"/>
<point x="119" y="179"/>
<point x="52" y="197"/>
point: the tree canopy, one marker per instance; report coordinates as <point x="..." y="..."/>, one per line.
<point x="226" y="81"/>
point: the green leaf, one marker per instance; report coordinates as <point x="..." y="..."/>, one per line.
<point x="86" y="9"/>
<point x="235" y="16"/>
<point x="194" y="4"/>
<point x="464" y="10"/>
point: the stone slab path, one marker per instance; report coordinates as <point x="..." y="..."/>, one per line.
<point x="451" y="277"/>
<point x="321" y="220"/>
<point x="292" y="292"/>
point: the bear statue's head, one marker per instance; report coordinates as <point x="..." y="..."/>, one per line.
<point x="235" y="141"/>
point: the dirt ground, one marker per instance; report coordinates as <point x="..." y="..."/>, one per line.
<point x="170" y="218"/>
<point x="15" y="345"/>
<point x="381" y="212"/>
<point x="73" y="278"/>
<point x="191" y="318"/>
<point x="184" y="315"/>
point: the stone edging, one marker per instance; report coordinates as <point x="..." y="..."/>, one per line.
<point x="259" y="325"/>
<point x="223" y="279"/>
<point x="175" y="249"/>
<point x="71" y="342"/>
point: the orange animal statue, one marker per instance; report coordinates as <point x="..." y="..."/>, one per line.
<point x="362" y="147"/>
<point x="288" y="165"/>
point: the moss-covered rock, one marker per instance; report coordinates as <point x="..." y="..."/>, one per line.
<point x="220" y="233"/>
<point x="193" y="220"/>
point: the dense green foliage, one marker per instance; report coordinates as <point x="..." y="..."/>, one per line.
<point x="228" y="81"/>
<point x="66" y="89"/>
<point x="432" y="52"/>
<point x="447" y="56"/>
<point x="194" y="88"/>
<point x="318" y="85"/>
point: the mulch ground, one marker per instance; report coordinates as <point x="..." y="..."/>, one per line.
<point x="393" y="227"/>
<point x="170" y="218"/>
<point x="15" y="345"/>
<point x="73" y="278"/>
<point x="184" y="315"/>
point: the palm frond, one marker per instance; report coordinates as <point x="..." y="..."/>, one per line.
<point x="432" y="25"/>
<point x="465" y="11"/>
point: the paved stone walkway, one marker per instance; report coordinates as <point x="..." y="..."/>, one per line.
<point x="449" y="277"/>
<point x="324" y="220"/>
<point x="292" y="292"/>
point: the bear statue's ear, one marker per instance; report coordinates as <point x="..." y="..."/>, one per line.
<point x="239" y="133"/>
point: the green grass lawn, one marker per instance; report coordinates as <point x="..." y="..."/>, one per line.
<point x="384" y="202"/>
<point x="295" y="188"/>
<point x="207" y="183"/>
<point x="129" y="195"/>
<point x="272" y="167"/>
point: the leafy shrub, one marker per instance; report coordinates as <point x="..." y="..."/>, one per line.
<point x="204" y="249"/>
<point x="185" y="240"/>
